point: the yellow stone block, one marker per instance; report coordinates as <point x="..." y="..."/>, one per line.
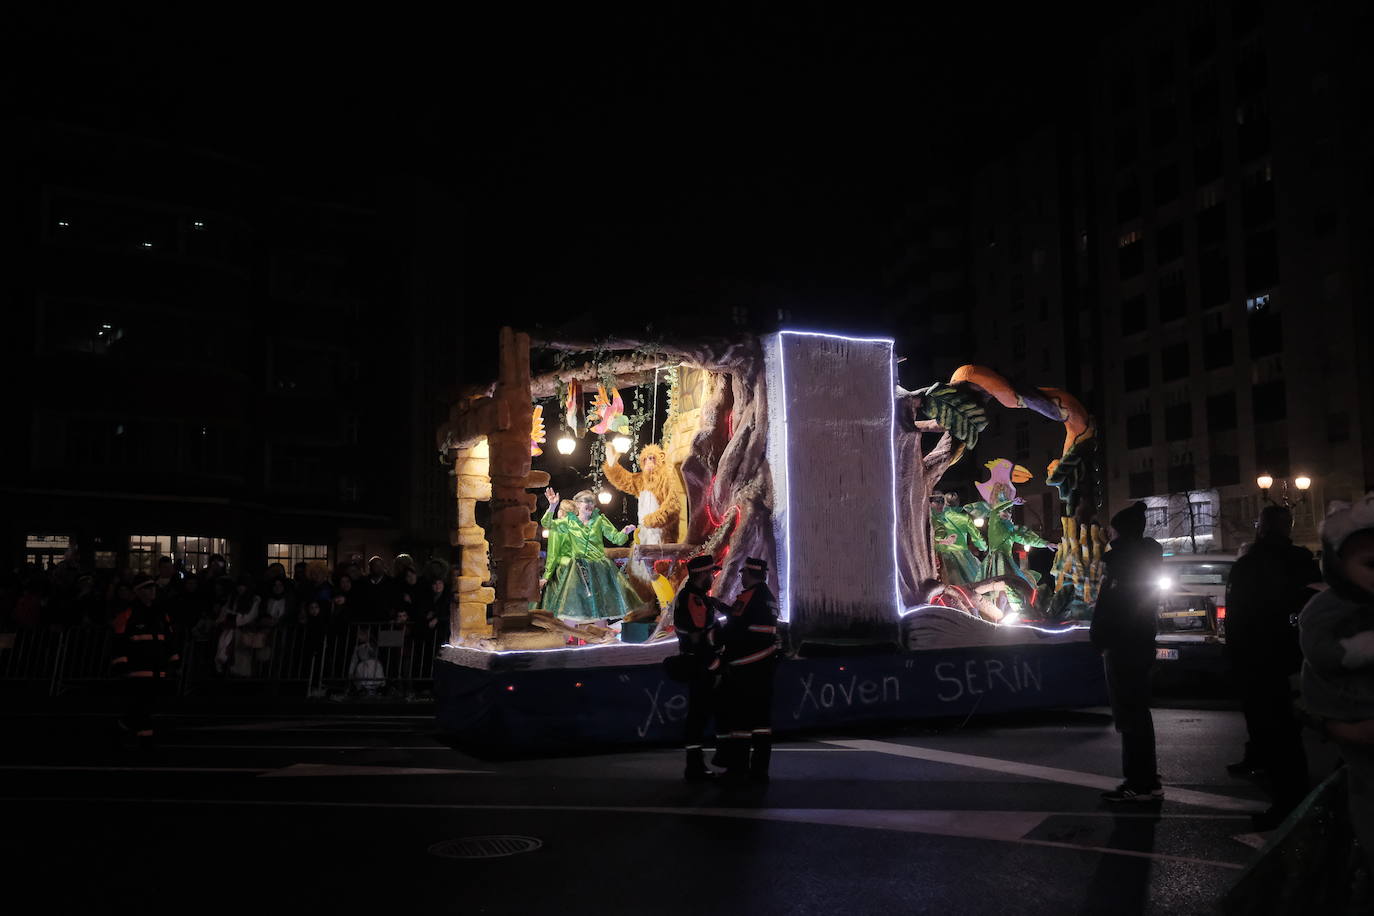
<point x="486" y="595"/>
<point x="468" y="585"/>
<point x="473" y="536"/>
<point x="472" y="467"/>
<point x="467" y="513"/>
<point x="474" y="487"/>
<point x="537" y="480"/>
<point x="476" y="565"/>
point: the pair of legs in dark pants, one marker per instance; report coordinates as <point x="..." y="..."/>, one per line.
<point x="745" y="719"/>
<point x="1275" y="735"/>
<point x="140" y="695"/>
<point x="701" y="690"/>
<point x="1128" y="683"/>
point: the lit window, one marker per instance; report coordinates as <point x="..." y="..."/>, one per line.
<point x="197" y="224"/>
<point x="63" y="223"/>
<point x="1130" y="238"/>
<point x="1258" y="303"/>
<point x="147" y="244"/>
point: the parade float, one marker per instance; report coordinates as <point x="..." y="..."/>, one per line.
<point x="800" y="448"/>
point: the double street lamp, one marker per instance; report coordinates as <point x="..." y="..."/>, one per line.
<point x="1266" y="484"/>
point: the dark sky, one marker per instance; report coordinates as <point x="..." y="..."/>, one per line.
<point x="681" y="153"/>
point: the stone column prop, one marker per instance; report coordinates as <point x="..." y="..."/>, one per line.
<point x="514" y="534"/>
<point x="471" y="469"/>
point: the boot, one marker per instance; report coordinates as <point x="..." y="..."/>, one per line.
<point x="696" y="766"/>
<point x="734" y="756"/>
<point x="760" y="758"/>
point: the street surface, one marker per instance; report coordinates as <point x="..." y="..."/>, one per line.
<point x="342" y="811"/>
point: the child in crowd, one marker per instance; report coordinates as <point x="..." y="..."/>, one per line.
<point x="1337" y="634"/>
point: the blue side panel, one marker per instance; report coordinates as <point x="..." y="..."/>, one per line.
<point x="552" y="710"/>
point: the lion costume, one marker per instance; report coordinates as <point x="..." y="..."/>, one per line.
<point x="659" y="490"/>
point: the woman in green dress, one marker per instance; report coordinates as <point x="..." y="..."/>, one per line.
<point x="581" y="581"/>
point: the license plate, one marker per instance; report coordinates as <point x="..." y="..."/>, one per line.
<point x="1166" y="654"/>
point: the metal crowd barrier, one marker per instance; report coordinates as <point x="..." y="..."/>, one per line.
<point x="356" y="660"/>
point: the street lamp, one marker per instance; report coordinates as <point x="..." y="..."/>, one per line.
<point x="1266" y="484"/>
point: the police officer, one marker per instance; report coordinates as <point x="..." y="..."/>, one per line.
<point x="694" y="620"/>
<point x="749" y="647"/>
<point x="144" y="653"/>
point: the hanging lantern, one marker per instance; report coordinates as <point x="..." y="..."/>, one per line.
<point x="621" y="444"/>
<point x="603" y="497"/>
<point x="566" y="444"/>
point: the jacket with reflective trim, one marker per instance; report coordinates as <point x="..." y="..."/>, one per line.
<point x="143" y="643"/>
<point x="694" y="620"/>
<point x="751" y="628"/>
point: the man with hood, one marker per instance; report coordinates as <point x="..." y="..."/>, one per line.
<point x="1267" y="588"/>
<point x="1337" y="635"/>
<point x="1125" y="621"/>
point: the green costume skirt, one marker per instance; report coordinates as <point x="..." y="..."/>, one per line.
<point x="589" y="590"/>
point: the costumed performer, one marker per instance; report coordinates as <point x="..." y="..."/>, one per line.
<point x="657" y="489"/>
<point x="954" y="532"/>
<point x="585" y="584"/>
<point x="1003" y="535"/>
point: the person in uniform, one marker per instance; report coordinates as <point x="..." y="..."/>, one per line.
<point x="694" y="621"/>
<point x="749" y="656"/>
<point x="144" y="654"/>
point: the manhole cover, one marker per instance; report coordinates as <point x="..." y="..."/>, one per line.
<point x="485" y="847"/>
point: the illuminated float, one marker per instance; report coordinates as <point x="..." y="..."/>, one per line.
<point x="796" y="447"/>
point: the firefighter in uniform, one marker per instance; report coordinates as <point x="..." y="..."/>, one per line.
<point x="694" y="620"/>
<point x="749" y="658"/>
<point x="144" y="653"/>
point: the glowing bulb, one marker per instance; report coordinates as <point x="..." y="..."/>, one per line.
<point x="603" y="497"/>
<point x="1011" y="618"/>
<point x="1264" y="481"/>
<point x="1302" y="483"/>
<point x="621" y="444"/>
<point x="978" y="523"/>
<point x="1165" y="583"/>
<point x="566" y="445"/>
<point x="545" y="532"/>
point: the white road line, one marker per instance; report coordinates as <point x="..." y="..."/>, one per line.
<point x="328" y="769"/>
<point x="983" y="825"/>
<point x="39" y="767"/>
<point x="1050" y="774"/>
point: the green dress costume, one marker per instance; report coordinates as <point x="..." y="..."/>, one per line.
<point x="583" y="583"/>
<point x="1003" y="535"/>
<point x="958" y="565"/>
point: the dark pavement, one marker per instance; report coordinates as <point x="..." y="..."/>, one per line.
<point x="337" y="810"/>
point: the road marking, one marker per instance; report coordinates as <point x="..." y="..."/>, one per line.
<point x="38" y="767"/>
<point x="1050" y="774"/>
<point x="315" y="747"/>
<point x="328" y="769"/>
<point x="981" y="825"/>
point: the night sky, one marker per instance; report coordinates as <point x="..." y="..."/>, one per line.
<point x="680" y="154"/>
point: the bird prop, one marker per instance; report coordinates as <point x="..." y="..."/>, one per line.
<point x="537" y="435"/>
<point x="1000" y="487"/>
<point x="609" y="412"/>
<point x="574" y="414"/>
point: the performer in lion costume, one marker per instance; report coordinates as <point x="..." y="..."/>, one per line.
<point x="662" y="506"/>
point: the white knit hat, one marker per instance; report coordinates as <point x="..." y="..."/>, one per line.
<point x="1343" y="520"/>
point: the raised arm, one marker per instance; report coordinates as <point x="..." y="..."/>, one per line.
<point x="623" y="480"/>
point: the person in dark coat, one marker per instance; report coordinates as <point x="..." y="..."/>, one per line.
<point x="1124" y="625"/>
<point x="749" y="661"/>
<point x="694" y="621"/>
<point x="1267" y="589"/>
<point x="144" y="655"/>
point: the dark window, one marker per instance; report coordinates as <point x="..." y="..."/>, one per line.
<point x="1162" y="67"/>
<point x="1338" y="427"/>
<point x="1166" y="184"/>
<point x="1224" y="470"/>
<point x="1261" y="261"/>
<point x="1173" y="299"/>
<point x="1178" y="423"/>
<point x="1123" y="91"/>
<point x="1136" y="372"/>
<point x="1266" y="332"/>
<point x="1138" y="431"/>
<point x="1325" y="223"/>
<point x="1169" y="243"/>
<point x="1130" y="260"/>
<point x="1142" y="484"/>
<point x="1206" y="99"/>
<point x="1128" y="201"/>
<point x="1259" y="202"/>
<point x="1252" y="73"/>
<point x="1181" y="478"/>
<point x="1214" y="277"/>
<point x="1218" y="351"/>
<point x="1125" y="146"/>
<point x="1156" y="517"/>
<point x="1202" y="42"/>
<point x="1163" y="123"/>
<point x="1246" y="14"/>
<point x="1270" y="401"/>
<point x="1207" y="161"/>
<point x="1134" y="318"/>
<point x="1211" y="226"/>
<point x="1221" y="412"/>
<point x="1252" y="137"/>
<point x="1174" y="361"/>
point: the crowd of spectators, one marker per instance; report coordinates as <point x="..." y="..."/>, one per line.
<point x="235" y="617"/>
